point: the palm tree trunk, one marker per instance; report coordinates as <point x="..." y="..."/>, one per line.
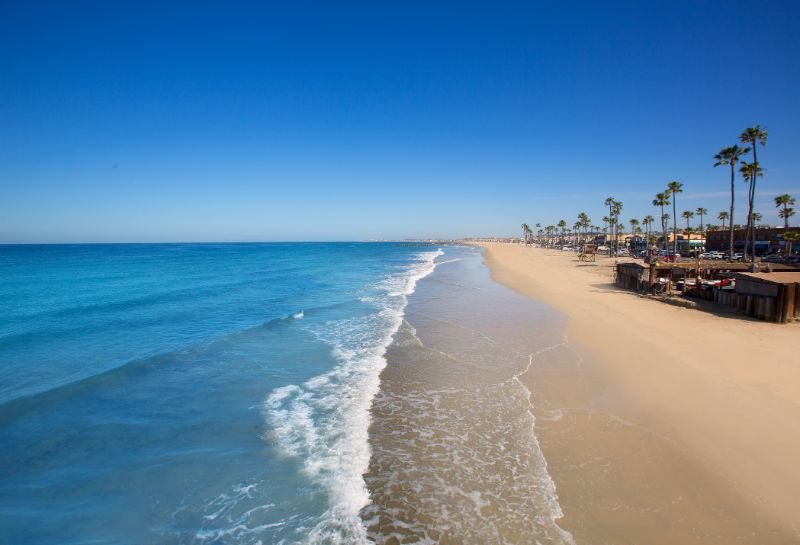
<point x="752" y="203"/>
<point x="674" y="227"/>
<point x="733" y="194"/>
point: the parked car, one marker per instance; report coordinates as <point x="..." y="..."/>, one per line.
<point x="774" y="258"/>
<point x="736" y="256"/>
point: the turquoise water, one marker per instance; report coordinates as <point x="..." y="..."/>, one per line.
<point x="154" y="393"/>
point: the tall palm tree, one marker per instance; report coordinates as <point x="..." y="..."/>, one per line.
<point x="754" y="136"/>
<point x="525" y="230"/>
<point x="647" y="221"/>
<point x="539" y="232"/>
<point x="662" y="200"/>
<point x="730" y="156"/>
<point x="701" y="212"/>
<point x="785" y="200"/>
<point x="616" y="208"/>
<point x="584" y="221"/>
<point x="750" y="171"/>
<point x="562" y="225"/>
<point x="723" y="216"/>
<point x="634" y="225"/>
<point x="675" y="188"/>
<point x="612" y="228"/>
<point x="687" y="215"/>
<point x="609" y="202"/>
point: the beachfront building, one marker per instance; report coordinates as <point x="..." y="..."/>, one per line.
<point x="768" y="240"/>
<point x="686" y="245"/>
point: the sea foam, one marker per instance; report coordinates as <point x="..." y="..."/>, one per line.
<point x="324" y="422"/>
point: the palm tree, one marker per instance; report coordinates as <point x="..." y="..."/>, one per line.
<point x="675" y="188"/>
<point x="634" y="225"/>
<point x="701" y="212"/>
<point x="525" y="230"/>
<point x="723" y="216"/>
<point x="562" y="225"/>
<point x="539" y="232"/>
<point x="687" y="215"/>
<point x="618" y="225"/>
<point x="753" y="135"/>
<point x="730" y="156"/>
<point x="612" y="227"/>
<point x="755" y="218"/>
<point x="584" y="221"/>
<point x="609" y="202"/>
<point x="786" y="213"/>
<point x="647" y="221"/>
<point x="662" y="200"/>
<point x="750" y="171"/>
<point x="784" y="201"/>
<point x="790" y="238"/>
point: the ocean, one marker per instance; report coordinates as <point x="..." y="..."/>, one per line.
<point x="267" y="394"/>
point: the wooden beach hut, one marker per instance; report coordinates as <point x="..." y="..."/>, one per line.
<point x="774" y="297"/>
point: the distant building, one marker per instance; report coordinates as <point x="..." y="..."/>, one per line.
<point x="695" y="241"/>
<point x="768" y="239"/>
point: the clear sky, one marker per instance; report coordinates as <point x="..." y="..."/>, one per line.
<point x="347" y="121"/>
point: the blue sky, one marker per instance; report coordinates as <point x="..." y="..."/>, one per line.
<point x="351" y="121"/>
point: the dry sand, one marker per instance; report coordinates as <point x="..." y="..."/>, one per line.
<point x="662" y="424"/>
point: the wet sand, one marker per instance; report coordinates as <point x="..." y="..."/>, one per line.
<point x="661" y="424"/>
<point x="455" y="458"/>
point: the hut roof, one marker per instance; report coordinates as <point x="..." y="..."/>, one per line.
<point x="771" y="278"/>
<point x="714" y="265"/>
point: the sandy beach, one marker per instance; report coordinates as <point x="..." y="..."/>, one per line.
<point x="661" y="424"/>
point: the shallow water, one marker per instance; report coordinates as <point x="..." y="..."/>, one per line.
<point x="455" y="454"/>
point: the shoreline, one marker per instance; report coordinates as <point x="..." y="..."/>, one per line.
<point x="671" y="425"/>
<point x="455" y="457"/>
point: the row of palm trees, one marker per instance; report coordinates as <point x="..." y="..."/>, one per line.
<point x="731" y="156"/>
